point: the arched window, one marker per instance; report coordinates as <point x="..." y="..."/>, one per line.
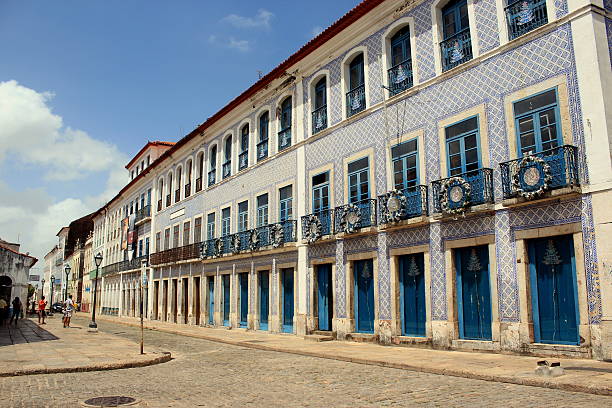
<point x="169" y="195"/>
<point x="227" y="164"/>
<point x="456" y="45"/>
<point x="355" y="97"/>
<point x="319" y="113"/>
<point x="212" y="172"/>
<point x="243" y="158"/>
<point x="188" y="174"/>
<point x="262" y="146"/>
<point x="284" y="135"/>
<point x="200" y="172"/>
<point x="160" y="194"/>
<point x="179" y="179"/>
<point x="400" y="73"/>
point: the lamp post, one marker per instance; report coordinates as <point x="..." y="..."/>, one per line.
<point x="143" y="281"/>
<point x="93" y="327"/>
<point x="51" y="296"/>
<point x="67" y="270"/>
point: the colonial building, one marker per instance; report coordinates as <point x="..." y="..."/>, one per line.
<point x="422" y="172"/>
<point x="14" y="272"/>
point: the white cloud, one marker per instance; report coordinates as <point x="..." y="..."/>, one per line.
<point x="231" y="42"/>
<point x="316" y="31"/>
<point x="261" y="20"/>
<point x="31" y="134"/>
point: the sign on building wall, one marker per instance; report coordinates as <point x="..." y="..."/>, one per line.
<point x="34" y="278"/>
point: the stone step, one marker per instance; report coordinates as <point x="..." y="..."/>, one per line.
<point x="362" y="337"/>
<point x="318" y="338"/>
<point x="323" y="333"/>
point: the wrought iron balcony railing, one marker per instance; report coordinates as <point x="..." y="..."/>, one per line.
<point x="456" y="49"/>
<point x="183" y="253"/>
<point x="243" y="160"/>
<point x="284" y="139"/>
<point x="198" y="184"/>
<point x="177" y="195"/>
<point x="262" y="150"/>
<point x="187" y="190"/>
<point x="168" y="200"/>
<point x="121" y="266"/>
<point x="400" y="77"/>
<point x="159" y="205"/>
<point x="212" y="177"/>
<point x="319" y="119"/>
<point x="403" y="204"/>
<point x="317" y="225"/>
<point x="143" y="213"/>
<point x="524" y="16"/>
<point x="355" y="100"/>
<point x="226" y="169"/>
<point x="534" y="174"/>
<point x="351" y="217"/>
<point x="455" y="194"/>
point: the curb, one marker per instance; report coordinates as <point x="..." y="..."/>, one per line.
<point x="164" y="357"/>
<point x="533" y="382"/>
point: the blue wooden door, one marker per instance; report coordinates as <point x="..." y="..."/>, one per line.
<point x="553" y="290"/>
<point x="287" y="285"/>
<point x="412" y="294"/>
<point x="325" y="297"/>
<point x="244" y="298"/>
<point x="473" y="293"/>
<point x="211" y="300"/>
<point x="226" y="299"/>
<point x="264" y="299"/>
<point x="364" y="296"/>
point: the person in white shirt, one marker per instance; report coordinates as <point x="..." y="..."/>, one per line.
<point x="68" y="308"/>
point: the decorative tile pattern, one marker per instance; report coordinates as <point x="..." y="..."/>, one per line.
<point x="609" y="30"/>
<point x="468" y="228"/>
<point x="546" y="215"/>
<point x="561" y="7"/>
<point x="424" y="41"/>
<point x="591" y="264"/>
<point x="486" y="25"/>
<point x="507" y="282"/>
<point x="361" y="244"/>
<point x="438" y="274"/>
<point x="408" y="237"/>
<point x="384" y="279"/>
<point x="340" y="295"/>
<point x="274" y="287"/>
<point x="608" y="5"/>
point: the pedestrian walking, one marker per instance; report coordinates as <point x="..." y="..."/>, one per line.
<point x="16" y="310"/>
<point x="68" y="309"/>
<point x="4" y="310"/>
<point x="42" y="305"/>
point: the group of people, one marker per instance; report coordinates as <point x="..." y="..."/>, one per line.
<point x="6" y="313"/>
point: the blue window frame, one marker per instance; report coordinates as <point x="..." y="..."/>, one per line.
<point x="320" y="192"/>
<point x="262" y="146"/>
<point x="146" y="246"/>
<point x="149" y="197"/>
<point x="359" y="181"/>
<point x="226" y="221"/>
<point x="262" y="210"/>
<point x="463" y="146"/>
<point x="286" y="203"/>
<point x="210" y="226"/>
<point x="537" y="122"/>
<point x="140" y="253"/>
<point x="456" y="46"/>
<point x="212" y="166"/>
<point x="319" y="113"/>
<point x="227" y="165"/>
<point x="243" y="216"/>
<point x="243" y="159"/>
<point x="454" y="18"/>
<point x="405" y="165"/>
<point x="355" y="97"/>
<point x="400" y="73"/>
<point x="284" y="135"/>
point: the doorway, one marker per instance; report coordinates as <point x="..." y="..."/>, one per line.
<point x="287" y="287"/>
<point x="324" y="296"/>
<point x="174" y="300"/>
<point x="211" y="300"/>
<point x="244" y="298"/>
<point x="185" y="302"/>
<point x="226" y="300"/>
<point x="156" y="300"/>
<point x="364" y="295"/>
<point x="196" y="299"/>
<point x="412" y="294"/>
<point x="165" y="301"/>
<point x="264" y="299"/>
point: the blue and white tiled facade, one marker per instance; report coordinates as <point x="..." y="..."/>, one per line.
<point x="502" y="71"/>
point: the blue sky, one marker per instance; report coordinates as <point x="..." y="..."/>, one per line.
<point x="84" y="84"/>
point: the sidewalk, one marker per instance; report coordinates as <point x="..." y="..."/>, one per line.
<point x="30" y="348"/>
<point x="588" y="376"/>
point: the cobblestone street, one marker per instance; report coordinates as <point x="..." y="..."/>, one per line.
<point x="204" y="373"/>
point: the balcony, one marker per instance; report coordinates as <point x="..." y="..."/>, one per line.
<point x="400" y="77"/>
<point x="350" y="218"/>
<point x="284" y="139"/>
<point x="159" y="205"/>
<point x="226" y="169"/>
<point x="524" y="16"/>
<point x="262" y="150"/>
<point x="168" y="200"/>
<point x="355" y="101"/>
<point x="456" y="49"/>
<point x="143" y="213"/>
<point x="212" y="177"/>
<point x="177" y="195"/>
<point x="403" y="204"/>
<point x="317" y="225"/>
<point x="532" y="175"/>
<point x="184" y="253"/>
<point x="198" y="186"/>
<point x="121" y="266"/>
<point x="243" y="160"/>
<point x="319" y="119"/>
<point x="187" y="190"/>
<point x="454" y="195"/>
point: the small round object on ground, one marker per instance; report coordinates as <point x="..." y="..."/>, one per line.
<point x="113" y="401"/>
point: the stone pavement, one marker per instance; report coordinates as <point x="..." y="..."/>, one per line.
<point x="30" y="348"/>
<point x="581" y="375"/>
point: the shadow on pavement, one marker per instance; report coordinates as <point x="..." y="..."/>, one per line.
<point x="26" y="331"/>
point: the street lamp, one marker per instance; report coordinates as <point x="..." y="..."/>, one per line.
<point x="67" y="270"/>
<point x="98" y="260"/>
<point x="51" y="296"/>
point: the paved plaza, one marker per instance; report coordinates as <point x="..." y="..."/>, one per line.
<point x="212" y="374"/>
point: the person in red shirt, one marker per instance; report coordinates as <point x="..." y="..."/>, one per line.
<point x="42" y="305"/>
